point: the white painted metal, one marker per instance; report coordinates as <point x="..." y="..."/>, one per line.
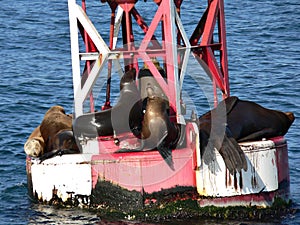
<point x="261" y="176"/>
<point x="89" y="56"/>
<point x="76" y="13"/>
<point x="117" y="26"/>
<point x="78" y="108"/>
<point x="81" y="95"/>
<point x="173" y="61"/>
<point x="186" y="51"/>
<point x="91" y="147"/>
<point x="91" y="30"/>
<point x="65" y="175"/>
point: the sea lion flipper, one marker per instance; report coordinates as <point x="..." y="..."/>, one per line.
<point x="238" y="156"/>
<point x="49" y="155"/>
<point x="227" y="159"/>
<point x="232" y="154"/>
<point x="166" y="154"/>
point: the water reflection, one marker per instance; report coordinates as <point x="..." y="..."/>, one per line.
<point x="44" y="214"/>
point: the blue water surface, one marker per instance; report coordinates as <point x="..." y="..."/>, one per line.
<point x="264" y="65"/>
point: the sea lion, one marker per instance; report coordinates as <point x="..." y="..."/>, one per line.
<point x="64" y="139"/>
<point x="235" y="120"/>
<point x="158" y="132"/>
<point x="156" y="126"/>
<point x="249" y="121"/>
<point x="145" y="78"/>
<point x="55" y="120"/>
<point x="35" y="144"/>
<point x="54" y="133"/>
<point x="125" y="116"/>
<point x="157" y="129"/>
<point x="62" y="143"/>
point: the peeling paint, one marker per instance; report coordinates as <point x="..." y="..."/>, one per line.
<point x="73" y="186"/>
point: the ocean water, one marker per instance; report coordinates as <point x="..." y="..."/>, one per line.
<point x="264" y="66"/>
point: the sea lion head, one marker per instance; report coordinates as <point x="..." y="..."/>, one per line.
<point x="156" y="120"/>
<point x="128" y="78"/>
<point x="64" y="139"/>
<point x="290" y="116"/>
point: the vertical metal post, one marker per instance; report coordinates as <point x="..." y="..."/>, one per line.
<point x="223" y="50"/>
<point x="204" y="33"/>
<point x="75" y="56"/>
<point x="88" y="63"/>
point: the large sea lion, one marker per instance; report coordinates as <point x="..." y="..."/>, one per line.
<point x="53" y="134"/>
<point x="157" y="129"/>
<point x="55" y="120"/>
<point x="250" y="121"/>
<point x="235" y="120"/>
<point x="125" y="116"/>
<point x="158" y="132"/>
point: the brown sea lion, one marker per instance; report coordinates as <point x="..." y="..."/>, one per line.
<point x="55" y="120"/>
<point x="145" y="78"/>
<point x="233" y="121"/>
<point x="54" y="133"/>
<point x="157" y="129"/>
<point x="157" y="132"/>
<point x="156" y="126"/>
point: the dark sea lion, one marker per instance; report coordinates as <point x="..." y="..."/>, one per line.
<point x="234" y="120"/>
<point x="62" y="143"/>
<point x="64" y="139"/>
<point x="214" y="134"/>
<point x="249" y="121"/>
<point x="125" y="116"/>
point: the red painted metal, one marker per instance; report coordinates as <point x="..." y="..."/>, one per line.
<point x="204" y="33"/>
<point x="89" y="47"/>
<point x="265" y="198"/>
<point x="145" y="171"/>
<point x="282" y="162"/>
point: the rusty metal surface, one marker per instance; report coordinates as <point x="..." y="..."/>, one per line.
<point x="72" y="177"/>
<point x="214" y="180"/>
<point x="62" y="178"/>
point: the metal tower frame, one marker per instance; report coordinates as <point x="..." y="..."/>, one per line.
<point x="208" y="38"/>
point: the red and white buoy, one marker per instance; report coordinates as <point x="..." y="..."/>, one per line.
<point x="144" y="175"/>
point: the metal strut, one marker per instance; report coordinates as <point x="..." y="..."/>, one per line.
<point x="208" y="39"/>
